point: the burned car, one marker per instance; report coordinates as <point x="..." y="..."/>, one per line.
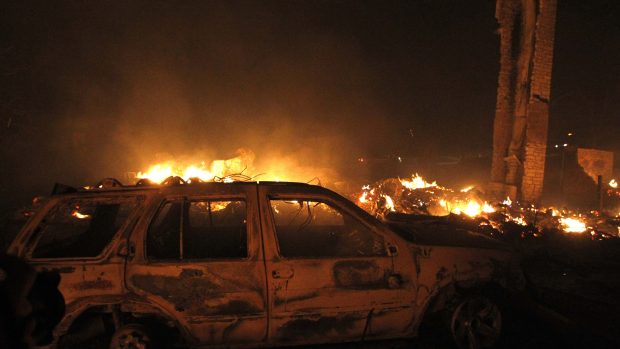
<point x="255" y="264"/>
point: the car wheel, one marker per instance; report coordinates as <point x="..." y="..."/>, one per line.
<point x="476" y="323"/>
<point x="132" y="336"/>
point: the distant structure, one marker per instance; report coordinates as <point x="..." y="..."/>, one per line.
<point x="585" y="177"/>
<point x="527" y="30"/>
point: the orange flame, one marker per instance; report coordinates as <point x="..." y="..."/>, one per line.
<point x="573" y="225"/>
<point x="79" y="215"/>
<point x="217" y="169"/>
<point x="417" y="182"/>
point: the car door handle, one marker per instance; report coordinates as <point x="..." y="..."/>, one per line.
<point x="282" y="273"/>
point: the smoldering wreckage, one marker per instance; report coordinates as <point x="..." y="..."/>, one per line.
<point x="199" y="256"/>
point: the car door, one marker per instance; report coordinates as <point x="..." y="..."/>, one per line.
<point x="199" y="259"/>
<point x="331" y="275"/>
<point x="76" y="237"/>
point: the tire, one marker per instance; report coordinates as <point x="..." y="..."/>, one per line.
<point x="132" y="336"/>
<point x="477" y="322"/>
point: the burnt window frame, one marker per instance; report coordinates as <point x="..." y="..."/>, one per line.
<point x="152" y="220"/>
<point x="333" y="205"/>
<point x="129" y="223"/>
<point x="186" y="201"/>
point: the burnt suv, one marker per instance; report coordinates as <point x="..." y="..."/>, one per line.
<point x="251" y="264"/>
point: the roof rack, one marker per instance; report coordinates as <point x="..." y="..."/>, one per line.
<point x="107" y="183"/>
<point x="113" y="183"/>
<point x="144" y="182"/>
<point x="173" y="180"/>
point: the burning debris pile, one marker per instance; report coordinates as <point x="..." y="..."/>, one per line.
<point x="416" y="196"/>
<point x="469" y="207"/>
<point x="473" y="209"/>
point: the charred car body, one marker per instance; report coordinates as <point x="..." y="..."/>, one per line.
<point x="250" y="264"/>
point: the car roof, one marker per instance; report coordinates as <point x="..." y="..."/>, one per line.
<point x="117" y="187"/>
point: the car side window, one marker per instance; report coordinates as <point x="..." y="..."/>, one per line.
<point x="80" y="228"/>
<point x="215" y="229"/>
<point x="199" y="229"/>
<point x="314" y="229"/>
<point x="164" y="234"/>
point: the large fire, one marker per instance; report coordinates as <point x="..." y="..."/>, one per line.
<point x="242" y="167"/>
<point x="409" y="196"/>
<point x="421" y="197"/>
<point x="218" y="170"/>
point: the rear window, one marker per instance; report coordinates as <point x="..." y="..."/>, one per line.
<point x="81" y="228"/>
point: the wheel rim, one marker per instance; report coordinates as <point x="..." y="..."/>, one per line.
<point x="131" y="339"/>
<point x="476" y="323"/>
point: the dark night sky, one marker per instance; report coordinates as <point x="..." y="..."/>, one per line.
<point x="95" y="88"/>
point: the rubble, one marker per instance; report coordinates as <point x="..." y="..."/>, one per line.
<point x="471" y="208"/>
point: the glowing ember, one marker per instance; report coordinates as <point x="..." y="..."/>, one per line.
<point x="417" y="182"/>
<point x="389" y="203"/>
<point x="486" y="208"/>
<point x="507" y="202"/>
<point x="466" y="189"/>
<point x="364" y="197"/>
<point x="573" y="225"/>
<point x="519" y="220"/>
<point x="471" y="207"/>
<point x="613" y="183"/>
<point x="79" y="215"/>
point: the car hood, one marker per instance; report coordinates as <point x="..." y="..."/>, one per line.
<point x="428" y="233"/>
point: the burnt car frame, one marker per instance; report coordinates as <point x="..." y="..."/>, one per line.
<point x="257" y="264"/>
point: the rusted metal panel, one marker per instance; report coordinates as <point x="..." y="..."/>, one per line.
<point x="335" y="298"/>
<point x="361" y="274"/>
<point x="84" y="281"/>
<point x="442" y="265"/>
<point x="219" y="301"/>
<point x="319" y="327"/>
<point x="222" y="288"/>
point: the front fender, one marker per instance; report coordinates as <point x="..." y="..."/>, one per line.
<point x="442" y="273"/>
<point x="75" y="309"/>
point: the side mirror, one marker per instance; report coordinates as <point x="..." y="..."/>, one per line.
<point x="392" y="250"/>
